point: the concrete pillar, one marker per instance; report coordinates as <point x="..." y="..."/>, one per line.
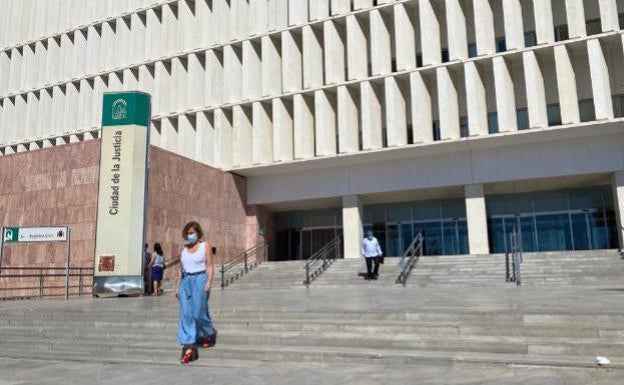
<point x="476" y="217"/>
<point x="262" y="141"/>
<point x="282" y="130"/>
<point x="381" y="45"/>
<point x="271" y="67"/>
<point x="348" y="126"/>
<point x="334" y="52"/>
<point x="404" y="34"/>
<point x="252" y="70"/>
<point x="340" y="6"/>
<point x="278" y="14"/>
<point x="505" y="96"/>
<point x="448" y="104"/>
<point x="291" y="61"/>
<point x="205" y="138"/>
<point x="352" y="226"/>
<point x="186" y="135"/>
<point x="79" y="52"/>
<point x="122" y="34"/>
<point x="396" y="112"/>
<point x="566" y="85"/>
<point x="207" y="22"/>
<point x="188" y="37"/>
<point x="312" y="57"/>
<point x="169" y="134"/>
<point x="544" y="25"/>
<point x="239" y="10"/>
<point x="303" y="126"/>
<point x="154" y="45"/>
<point x="297" y="12"/>
<point x="422" y="112"/>
<point x="618" y="196"/>
<point x="609" y="15"/>
<point x="232" y="73"/>
<point x="484" y="27"/>
<point x="514" y="30"/>
<point x="372" y="134"/>
<point x="319" y="9"/>
<point x="214" y="77"/>
<point x="477" y="102"/>
<point x="430" y="34"/>
<point x="241" y="149"/>
<point x="535" y="91"/>
<point x="576" y="18"/>
<point x="195" y="81"/>
<point x="170" y="29"/>
<point x="361" y="4"/>
<point x="456" y="26"/>
<point x="223" y="131"/>
<point x="178" y="84"/>
<point x="601" y="86"/>
<point x="357" y="60"/>
<point x="325" y="122"/>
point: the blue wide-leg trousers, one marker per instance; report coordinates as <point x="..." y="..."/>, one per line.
<point x="194" y="323"/>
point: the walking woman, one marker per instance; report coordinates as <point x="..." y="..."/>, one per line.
<point x="157" y="264"/>
<point x="192" y="292"/>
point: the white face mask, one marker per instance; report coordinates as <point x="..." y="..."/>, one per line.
<point x="191" y="239"/>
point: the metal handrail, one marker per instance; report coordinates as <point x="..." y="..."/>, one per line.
<point x="243" y="263"/>
<point x="320" y="260"/>
<point x="409" y="258"/>
<point x="43" y="273"/>
<point x="513" y="258"/>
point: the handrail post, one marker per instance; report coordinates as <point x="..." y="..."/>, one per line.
<point x="307" y="268"/>
<point x="246" y="255"/>
<point x="80" y="282"/>
<point x="222" y="276"/>
<point x="41" y="283"/>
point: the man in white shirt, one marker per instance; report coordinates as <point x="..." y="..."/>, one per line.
<point x="371" y="251"/>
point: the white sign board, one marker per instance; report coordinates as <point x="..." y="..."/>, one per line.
<point x="34" y="234"/>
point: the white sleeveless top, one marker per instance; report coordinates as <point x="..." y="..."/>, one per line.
<point x="194" y="262"/>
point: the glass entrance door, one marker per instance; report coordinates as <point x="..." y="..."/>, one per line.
<point x="310" y="240"/>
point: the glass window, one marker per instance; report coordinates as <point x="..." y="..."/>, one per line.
<point x="594" y="27"/>
<point x="618" y="106"/>
<point x="472" y="50"/>
<point x="493" y="122"/>
<point x="436" y="130"/>
<point x="561" y="32"/>
<point x="621" y="19"/>
<point x="587" y="198"/>
<point x="554" y="115"/>
<point x="432" y="232"/>
<point x="426" y="210"/>
<point x="580" y="230"/>
<point x="527" y="233"/>
<point x="586" y="110"/>
<point x="522" y="116"/>
<point x="445" y="55"/>
<point x="419" y="62"/>
<point x="545" y="201"/>
<point x="462" y="229"/>
<point x="451" y="239"/>
<point x="501" y="45"/>
<point x="530" y="39"/>
<point x="496" y="229"/>
<point x="463" y="127"/>
<point x="553" y="232"/>
<point x="453" y="208"/>
<point x="401" y="212"/>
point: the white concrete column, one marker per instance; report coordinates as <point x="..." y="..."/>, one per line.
<point x="484" y="27"/>
<point x="252" y="70"/>
<point x="340" y="6"/>
<point x="239" y="13"/>
<point x="357" y="60"/>
<point x="544" y="25"/>
<point x="312" y="57"/>
<point x="205" y="138"/>
<point x="107" y="45"/>
<point x="535" y="90"/>
<point x="297" y="12"/>
<point x="396" y="112"/>
<point x="16" y="70"/>
<point x="29" y="75"/>
<point x="242" y="136"/>
<point x="325" y="122"/>
<point x="282" y="130"/>
<point x="514" y="29"/>
<point x="609" y="15"/>
<point x="278" y="14"/>
<point x="154" y="44"/>
<point x="31" y="116"/>
<point x="618" y="197"/>
<point x="405" y="38"/>
<point x="292" y="68"/>
<point x="372" y="134"/>
<point x="456" y="26"/>
<point x="169" y="134"/>
<point x="195" y="81"/>
<point x="186" y="135"/>
<point x="566" y="86"/>
<point x="214" y="77"/>
<point x="348" y="120"/>
<point x="505" y="96"/>
<point x="319" y="9"/>
<point x="79" y="60"/>
<point x="262" y="141"/>
<point x="5" y="71"/>
<point x="601" y="86"/>
<point x="122" y="34"/>
<point x="189" y="33"/>
<point x="422" y="109"/>
<point x="40" y="53"/>
<point x="448" y="104"/>
<point x="477" y="101"/>
<point x="476" y="217"/>
<point x="208" y="22"/>
<point x="334" y="52"/>
<point x="271" y="67"/>
<point x="352" y="226"/>
<point x="430" y="34"/>
<point x="52" y="64"/>
<point x="575" y="12"/>
<point x="232" y="73"/>
<point x="178" y="84"/>
<point x="303" y="133"/>
<point x="170" y="29"/>
<point x="381" y="45"/>
<point x="361" y="4"/>
<point x="223" y="131"/>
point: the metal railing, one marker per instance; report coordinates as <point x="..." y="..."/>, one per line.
<point x="318" y="262"/>
<point x="41" y="282"/>
<point x="513" y="258"/>
<point x="243" y="263"/>
<point x="409" y="258"/>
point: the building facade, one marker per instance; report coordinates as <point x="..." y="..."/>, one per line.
<point x="458" y="119"/>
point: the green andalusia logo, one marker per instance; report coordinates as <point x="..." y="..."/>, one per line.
<point x="120" y="109"/>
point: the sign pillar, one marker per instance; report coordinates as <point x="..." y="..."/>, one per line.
<point x="122" y="195"/>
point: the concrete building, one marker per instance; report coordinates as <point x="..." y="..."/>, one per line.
<point x="461" y="119"/>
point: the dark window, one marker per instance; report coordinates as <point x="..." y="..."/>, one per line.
<point x="394" y="65"/>
<point x="586" y="110"/>
<point x="501" y="45"/>
<point x="530" y="39"/>
<point x="522" y="116"/>
<point x="472" y="50"/>
<point x="418" y="60"/>
<point x="493" y="122"/>
<point x="463" y="127"/>
<point x="621" y="18"/>
<point x="554" y="115"/>
<point x="593" y="27"/>
<point x="445" y="55"/>
<point x="436" y="130"/>
<point x="618" y="106"/>
<point x="561" y="32"/>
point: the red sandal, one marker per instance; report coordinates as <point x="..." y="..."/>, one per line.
<point x="188" y="354"/>
<point x="209" y="341"/>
